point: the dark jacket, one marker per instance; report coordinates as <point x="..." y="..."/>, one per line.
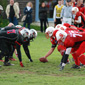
<point x="43" y="13"/>
<point x="29" y="15"/>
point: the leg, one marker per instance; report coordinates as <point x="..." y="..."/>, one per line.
<point x="45" y="25"/>
<point x="15" y="21"/>
<point x="10" y="20"/>
<point x="26" y="49"/>
<point x="28" y="25"/>
<point x="65" y="58"/>
<point x="41" y="25"/>
<point x="24" y="24"/>
<point x="77" y="53"/>
<point x="11" y="55"/>
<point x="19" y="55"/>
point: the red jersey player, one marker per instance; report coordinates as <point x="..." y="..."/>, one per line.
<point x="70" y="39"/>
<point x="79" y="16"/>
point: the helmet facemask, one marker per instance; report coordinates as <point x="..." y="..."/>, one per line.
<point x="49" y="32"/>
<point x="25" y="33"/>
<point x="33" y="34"/>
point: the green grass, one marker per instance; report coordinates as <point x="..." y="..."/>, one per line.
<point x="35" y="27"/>
<point x="38" y="73"/>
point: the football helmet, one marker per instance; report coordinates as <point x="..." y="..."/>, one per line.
<point x="49" y="32"/>
<point x="75" y="10"/>
<point x="25" y="33"/>
<point x="61" y="35"/>
<point x="33" y="33"/>
<point x="60" y="27"/>
<point x="18" y="26"/>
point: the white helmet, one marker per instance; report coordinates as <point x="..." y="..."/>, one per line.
<point x="25" y="33"/>
<point x="18" y="26"/>
<point x="49" y="31"/>
<point x="33" y="33"/>
<point x="75" y="9"/>
<point x="61" y="35"/>
<point x="60" y="27"/>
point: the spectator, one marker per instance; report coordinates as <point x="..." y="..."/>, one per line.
<point x="66" y="14"/>
<point x="83" y="9"/>
<point x="62" y="1"/>
<point x="74" y="3"/>
<point x="16" y="3"/>
<point x="57" y="13"/>
<point x="43" y="16"/>
<point x="12" y="12"/>
<point x="80" y="5"/>
<point x="28" y="13"/>
<point x="79" y="17"/>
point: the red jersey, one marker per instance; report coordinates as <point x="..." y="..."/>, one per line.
<point x="82" y="17"/>
<point x="72" y="38"/>
<point x="83" y="10"/>
<point x="53" y="40"/>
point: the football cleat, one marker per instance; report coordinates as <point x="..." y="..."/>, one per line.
<point x="31" y="60"/>
<point x="61" y="68"/>
<point x="60" y="64"/>
<point x="8" y="64"/>
<point x="21" y="64"/>
<point x="75" y="66"/>
<point x="12" y="59"/>
<point x="2" y="60"/>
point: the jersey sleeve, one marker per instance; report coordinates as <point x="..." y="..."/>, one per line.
<point x="54" y="43"/>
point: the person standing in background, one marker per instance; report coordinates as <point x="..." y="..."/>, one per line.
<point x="66" y="13"/>
<point x="43" y="16"/>
<point x="28" y="13"/>
<point x="74" y="3"/>
<point x="12" y="12"/>
<point x="57" y="13"/>
<point x="18" y="7"/>
<point x="83" y="9"/>
<point x="80" y="5"/>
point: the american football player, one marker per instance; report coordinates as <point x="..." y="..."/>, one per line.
<point x="8" y="39"/>
<point x="79" y="16"/>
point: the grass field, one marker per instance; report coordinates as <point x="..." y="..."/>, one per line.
<point x="37" y="73"/>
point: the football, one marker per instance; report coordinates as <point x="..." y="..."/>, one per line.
<point x="42" y="59"/>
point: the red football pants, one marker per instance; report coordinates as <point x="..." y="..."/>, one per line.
<point x="78" y="53"/>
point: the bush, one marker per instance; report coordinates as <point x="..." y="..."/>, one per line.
<point x="4" y="3"/>
<point x="3" y="22"/>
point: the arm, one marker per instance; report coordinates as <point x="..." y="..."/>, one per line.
<point x="62" y="12"/>
<point x="17" y="11"/>
<point x="19" y="52"/>
<point x="26" y="49"/>
<point x="49" y="52"/>
<point x="7" y="11"/>
<point x="54" y="14"/>
<point x="27" y="11"/>
<point x="79" y="20"/>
